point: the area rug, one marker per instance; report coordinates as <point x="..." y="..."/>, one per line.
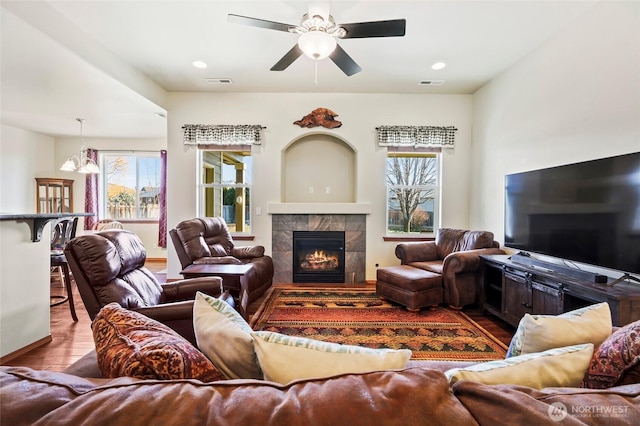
<point x="360" y="317"/>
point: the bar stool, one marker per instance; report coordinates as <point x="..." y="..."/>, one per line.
<point x="63" y="232"/>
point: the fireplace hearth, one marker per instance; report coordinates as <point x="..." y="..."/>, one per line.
<point x="318" y="256"/>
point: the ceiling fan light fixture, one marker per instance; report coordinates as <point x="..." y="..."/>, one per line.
<point x="317" y="44"/>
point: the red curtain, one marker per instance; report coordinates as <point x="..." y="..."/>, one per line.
<point x="91" y="193"/>
<point x="162" y="219"/>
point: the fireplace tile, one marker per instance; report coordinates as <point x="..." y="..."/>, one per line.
<point x="282" y="240"/>
<point x="355" y="262"/>
<point x="300" y="222"/>
<point x="337" y="222"/>
<point x="282" y="222"/>
<point x="355" y="241"/>
<point x="319" y="222"/>
<point x="355" y="222"/>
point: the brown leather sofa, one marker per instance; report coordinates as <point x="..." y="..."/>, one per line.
<point x="109" y="267"/>
<point x="455" y="256"/>
<point x="207" y="240"/>
<point x="417" y="395"/>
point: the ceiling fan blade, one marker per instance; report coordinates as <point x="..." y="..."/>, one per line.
<point x="344" y="61"/>
<point x="392" y="28"/>
<point x="288" y="59"/>
<point x="261" y="23"/>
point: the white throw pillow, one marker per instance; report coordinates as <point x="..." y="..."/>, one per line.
<point x="559" y="367"/>
<point x="284" y="358"/>
<point x="224" y="337"/>
<point x="537" y="333"/>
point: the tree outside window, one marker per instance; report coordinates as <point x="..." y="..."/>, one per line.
<point x="412" y="190"/>
<point x="130" y="186"/>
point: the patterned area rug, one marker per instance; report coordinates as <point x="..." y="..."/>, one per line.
<point x="360" y="317"/>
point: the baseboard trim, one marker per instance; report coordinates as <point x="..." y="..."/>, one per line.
<point x="15" y="354"/>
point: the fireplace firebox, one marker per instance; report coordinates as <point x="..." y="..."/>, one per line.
<point x="318" y="256"/>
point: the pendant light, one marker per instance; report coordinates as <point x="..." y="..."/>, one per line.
<point x="83" y="164"/>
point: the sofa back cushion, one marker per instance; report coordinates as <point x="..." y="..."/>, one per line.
<point x="449" y="240"/>
<point x="410" y="396"/>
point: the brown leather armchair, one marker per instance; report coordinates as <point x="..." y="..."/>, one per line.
<point x="455" y="255"/>
<point x="109" y="267"/>
<point x="207" y="240"/>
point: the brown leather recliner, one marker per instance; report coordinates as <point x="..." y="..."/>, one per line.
<point x="207" y="240"/>
<point x="109" y="267"/>
<point x="455" y="255"/>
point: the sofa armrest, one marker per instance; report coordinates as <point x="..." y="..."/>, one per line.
<point x="167" y="312"/>
<point x="247" y="252"/>
<point x="416" y="252"/>
<point x="466" y="261"/>
<point x="186" y="289"/>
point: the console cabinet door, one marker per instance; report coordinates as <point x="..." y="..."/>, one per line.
<point x="546" y="300"/>
<point x="517" y="297"/>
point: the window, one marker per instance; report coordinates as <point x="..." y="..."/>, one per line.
<point x="225" y="187"/>
<point x="412" y="193"/>
<point x="130" y="186"/>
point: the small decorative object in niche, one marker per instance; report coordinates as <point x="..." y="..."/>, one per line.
<point x="319" y="117"/>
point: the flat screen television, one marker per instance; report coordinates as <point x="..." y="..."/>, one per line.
<point x="585" y="212"/>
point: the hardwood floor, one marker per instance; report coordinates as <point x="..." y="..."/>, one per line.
<point x="72" y="340"/>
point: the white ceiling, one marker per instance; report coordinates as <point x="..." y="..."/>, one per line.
<point x="112" y="62"/>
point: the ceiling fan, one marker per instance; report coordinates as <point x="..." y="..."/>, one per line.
<point x="319" y="33"/>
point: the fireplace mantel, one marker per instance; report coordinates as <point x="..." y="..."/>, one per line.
<point x="319" y="208"/>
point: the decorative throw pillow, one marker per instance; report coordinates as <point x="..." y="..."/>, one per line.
<point x="557" y="367"/>
<point x="616" y="356"/>
<point x="131" y="344"/>
<point x="224" y="337"/>
<point x="284" y="358"/>
<point x="537" y="333"/>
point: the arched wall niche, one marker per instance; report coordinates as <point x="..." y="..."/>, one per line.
<point x="319" y="168"/>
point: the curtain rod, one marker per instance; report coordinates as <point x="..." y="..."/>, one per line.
<point x="445" y="127"/>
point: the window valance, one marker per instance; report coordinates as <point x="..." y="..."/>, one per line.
<point x="209" y="134"/>
<point x="416" y="136"/>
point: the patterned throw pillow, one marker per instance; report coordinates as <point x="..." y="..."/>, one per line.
<point x="131" y="344"/>
<point x="615" y="357"/>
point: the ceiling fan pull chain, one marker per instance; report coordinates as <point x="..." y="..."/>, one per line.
<point x="316" y="62"/>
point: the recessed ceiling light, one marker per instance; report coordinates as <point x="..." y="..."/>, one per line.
<point x="438" y="66"/>
<point x="199" y="64"/>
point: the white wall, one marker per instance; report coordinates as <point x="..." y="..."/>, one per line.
<point x="24" y="272"/>
<point x="360" y="115"/>
<point x="66" y="147"/>
<point x="576" y="98"/>
<point x="25" y="156"/>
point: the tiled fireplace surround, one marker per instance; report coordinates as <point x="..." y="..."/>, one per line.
<point x="283" y="225"/>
